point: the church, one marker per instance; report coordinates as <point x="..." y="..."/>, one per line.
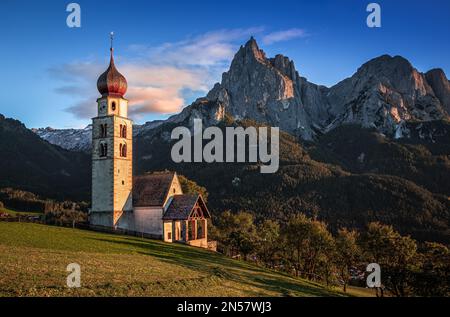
<point x="153" y="205"/>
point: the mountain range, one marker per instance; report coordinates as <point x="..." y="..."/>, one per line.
<point x="385" y="93"/>
<point x="374" y="147"/>
<point x="32" y="164"/>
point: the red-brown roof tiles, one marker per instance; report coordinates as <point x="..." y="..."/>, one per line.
<point x="152" y="189"/>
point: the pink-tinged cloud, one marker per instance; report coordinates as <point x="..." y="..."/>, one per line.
<point x="154" y="100"/>
<point x="151" y="89"/>
<point x="158" y="89"/>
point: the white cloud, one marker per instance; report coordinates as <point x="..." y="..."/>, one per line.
<point x="285" y="35"/>
<point x="209" y="49"/>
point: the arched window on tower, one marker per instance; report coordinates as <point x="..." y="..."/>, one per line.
<point x="123" y="131"/>
<point x="124" y="150"/>
<point x="103" y="130"/>
<point x="103" y="149"/>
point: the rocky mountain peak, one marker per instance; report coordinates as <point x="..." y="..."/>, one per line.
<point x="438" y="81"/>
<point x="387" y="61"/>
<point x="437" y="73"/>
<point x="386" y="92"/>
<point x="262" y="89"/>
<point x="389" y="70"/>
<point x="249" y="53"/>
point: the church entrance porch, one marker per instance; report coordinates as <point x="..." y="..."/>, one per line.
<point x="196" y="232"/>
<point x="187" y="222"/>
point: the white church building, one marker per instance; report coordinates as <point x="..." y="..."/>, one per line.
<point x="151" y="204"/>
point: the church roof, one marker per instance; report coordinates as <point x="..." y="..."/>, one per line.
<point x="182" y="206"/>
<point x="151" y="190"/>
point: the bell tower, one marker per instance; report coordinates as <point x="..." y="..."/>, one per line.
<point x="112" y="155"/>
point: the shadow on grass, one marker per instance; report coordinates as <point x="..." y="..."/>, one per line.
<point x="223" y="267"/>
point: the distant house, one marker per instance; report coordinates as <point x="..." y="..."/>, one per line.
<point x="152" y="204"/>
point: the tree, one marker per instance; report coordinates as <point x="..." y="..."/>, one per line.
<point x="347" y="254"/>
<point x="308" y="241"/>
<point x="396" y="255"/>
<point x="320" y="249"/>
<point x="268" y="233"/>
<point x="191" y="187"/>
<point x="296" y="232"/>
<point x="433" y="278"/>
<point x="237" y="232"/>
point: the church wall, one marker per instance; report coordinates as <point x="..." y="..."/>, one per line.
<point x="113" y="105"/>
<point x="126" y="221"/>
<point x="123" y="167"/>
<point x="168" y="234"/>
<point x="102" y="185"/>
<point x="123" y="108"/>
<point x="102" y="168"/>
<point x="175" y="189"/>
<point x="177" y="231"/>
<point x="103" y="219"/>
<point x="149" y="220"/>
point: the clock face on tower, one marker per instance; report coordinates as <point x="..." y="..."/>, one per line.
<point x="102" y="106"/>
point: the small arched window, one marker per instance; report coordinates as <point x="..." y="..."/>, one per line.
<point x="103" y="149"/>
<point x="123" y="131"/>
<point x="103" y="130"/>
<point x="113" y="106"/>
<point x="124" y="150"/>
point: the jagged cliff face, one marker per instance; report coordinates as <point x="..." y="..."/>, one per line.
<point x="257" y="88"/>
<point x="385" y="93"/>
<point x="441" y="87"/>
<point x="265" y="90"/>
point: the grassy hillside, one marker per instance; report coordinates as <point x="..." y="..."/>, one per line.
<point x="15" y="213"/>
<point x="34" y="258"/>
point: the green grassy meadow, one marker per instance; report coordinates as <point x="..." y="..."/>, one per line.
<point x="33" y="261"/>
<point x="15" y="213"/>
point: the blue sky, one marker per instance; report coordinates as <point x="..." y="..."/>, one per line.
<point x="174" y="51"/>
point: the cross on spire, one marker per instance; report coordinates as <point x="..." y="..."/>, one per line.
<point x="112" y="40"/>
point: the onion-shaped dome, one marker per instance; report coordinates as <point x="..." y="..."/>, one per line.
<point x="111" y="82"/>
